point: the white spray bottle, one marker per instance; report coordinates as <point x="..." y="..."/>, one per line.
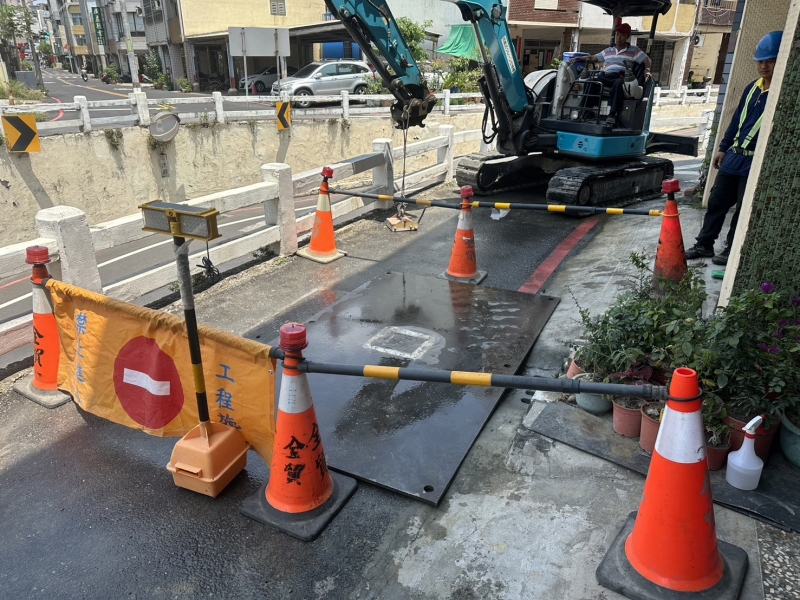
<point x="744" y="467"/>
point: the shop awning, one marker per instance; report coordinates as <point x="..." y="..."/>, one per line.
<point x="461" y="42"/>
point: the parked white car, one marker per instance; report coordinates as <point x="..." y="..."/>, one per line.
<point x="264" y="79"/>
<point x="322" y="78"/>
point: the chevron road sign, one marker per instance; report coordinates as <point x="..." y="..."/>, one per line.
<point x="284" y="111"/>
<point x="21" y="133"/>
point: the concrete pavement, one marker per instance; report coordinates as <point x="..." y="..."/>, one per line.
<point x="90" y="511"/>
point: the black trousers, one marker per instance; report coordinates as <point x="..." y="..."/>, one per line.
<point x="727" y="192"/>
<point x="613" y="81"/>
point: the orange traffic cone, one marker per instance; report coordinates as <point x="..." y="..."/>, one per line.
<point x="671" y="545"/>
<point x="670" y="257"/>
<point x="42" y="386"/>
<point x="463" y="262"/>
<point x="322" y="248"/>
<point x="301" y="496"/>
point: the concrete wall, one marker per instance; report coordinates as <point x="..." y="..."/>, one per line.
<point x="84" y="171"/>
<point x="203" y="16"/>
<point x="704" y="58"/>
<point x="679" y="19"/>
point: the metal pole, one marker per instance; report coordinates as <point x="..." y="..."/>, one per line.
<point x="244" y="60"/>
<point x="518" y="382"/>
<point x="34" y="54"/>
<point x="133" y="65"/>
<point x="187" y="299"/>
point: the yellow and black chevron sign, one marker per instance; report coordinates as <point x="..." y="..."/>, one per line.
<point x="284" y="113"/>
<point x="21" y="133"/>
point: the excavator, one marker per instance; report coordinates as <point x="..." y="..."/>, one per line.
<point x="549" y="127"/>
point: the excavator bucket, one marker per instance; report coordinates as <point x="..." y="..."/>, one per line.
<point x="674" y="144"/>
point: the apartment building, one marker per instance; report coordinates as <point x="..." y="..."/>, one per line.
<point x="110" y="26"/>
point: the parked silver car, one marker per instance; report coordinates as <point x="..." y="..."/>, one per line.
<point x="264" y="79"/>
<point x="324" y="78"/>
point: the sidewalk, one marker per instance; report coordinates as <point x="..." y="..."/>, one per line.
<point x="525" y="517"/>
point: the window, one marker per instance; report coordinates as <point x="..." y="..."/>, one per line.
<point x="80" y="40"/>
<point x="136" y="23"/>
<point x="328" y="70"/>
<point x="153" y="12"/>
<point x="277" y="8"/>
<point x="345" y="69"/>
<point x="546" y="4"/>
<point x="76" y="19"/>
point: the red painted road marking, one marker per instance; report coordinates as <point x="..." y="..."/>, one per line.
<point x="60" y="113"/>
<point x="147" y="383"/>
<point x="557" y="256"/>
<point x="9" y="284"/>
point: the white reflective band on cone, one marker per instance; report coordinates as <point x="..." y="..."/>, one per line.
<point x="680" y="437"/>
<point x="41" y="302"/>
<point x="464" y="220"/>
<point x="324" y="203"/>
<point x="295" y="396"/>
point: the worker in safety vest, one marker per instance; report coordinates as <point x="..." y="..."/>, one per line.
<point x="736" y="154"/>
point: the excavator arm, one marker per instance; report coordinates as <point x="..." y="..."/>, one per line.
<point x="371" y="24"/>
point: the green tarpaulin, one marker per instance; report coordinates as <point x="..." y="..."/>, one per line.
<point x="461" y="42"/>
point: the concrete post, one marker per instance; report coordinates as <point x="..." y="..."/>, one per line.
<point x="142" y="110"/>
<point x="656" y="96"/>
<point x="281" y="213"/>
<point x="684" y="94"/>
<point x="70" y="229"/>
<point x="446" y="103"/>
<point x="218" y="107"/>
<point x="345" y="104"/>
<point x="445" y="154"/>
<point x="708" y="93"/>
<point x="86" y="120"/>
<point x="383" y="176"/>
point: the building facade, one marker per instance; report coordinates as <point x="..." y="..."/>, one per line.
<point x="115" y="49"/>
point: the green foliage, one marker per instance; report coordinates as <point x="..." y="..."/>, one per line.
<point x="152" y="64"/>
<point x="461" y="76"/>
<point x="161" y="80"/>
<point x="20" y="91"/>
<point x="112" y="73"/>
<point x="376" y="86"/>
<point x="15" y="21"/>
<point x="114" y="137"/>
<point x="155" y="144"/>
<point x="183" y="85"/>
<point x="26" y="65"/>
<point x="45" y="49"/>
<point x="414" y="34"/>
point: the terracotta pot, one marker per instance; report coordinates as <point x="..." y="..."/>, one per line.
<point x="627" y="421"/>
<point x="790" y="442"/>
<point x="649" y="429"/>
<point x="574" y="369"/>
<point x="764" y="437"/>
<point x="716" y="456"/>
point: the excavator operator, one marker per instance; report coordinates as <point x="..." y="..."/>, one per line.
<point x="613" y="59"/>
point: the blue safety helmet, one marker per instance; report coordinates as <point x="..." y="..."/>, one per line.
<point x="768" y="47"/>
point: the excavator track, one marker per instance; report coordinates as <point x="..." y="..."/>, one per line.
<point x="610" y="185"/>
<point x="490" y="174"/>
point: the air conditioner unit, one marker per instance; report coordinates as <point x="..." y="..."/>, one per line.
<point x="699" y="39"/>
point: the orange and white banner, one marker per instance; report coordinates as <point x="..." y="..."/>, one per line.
<point x="131" y="365"/>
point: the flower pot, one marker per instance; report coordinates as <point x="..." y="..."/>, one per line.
<point x="764" y="437"/>
<point x="574" y="369"/>
<point x="627" y="421"/>
<point x="649" y="426"/>
<point x="790" y="441"/>
<point x="595" y="404"/>
<point x="716" y="456"/>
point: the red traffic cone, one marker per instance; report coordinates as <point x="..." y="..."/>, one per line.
<point x="463" y="261"/>
<point x="322" y="248"/>
<point x="42" y="386"/>
<point x="671" y="256"/>
<point x="671" y="544"/>
<point x="301" y="496"/>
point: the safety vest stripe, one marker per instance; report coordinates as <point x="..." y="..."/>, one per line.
<point x="295" y="396"/>
<point x="680" y="437"/>
<point x="754" y="129"/>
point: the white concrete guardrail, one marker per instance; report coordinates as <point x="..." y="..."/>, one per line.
<point x="73" y="243"/>
<point x="140" y="105"/>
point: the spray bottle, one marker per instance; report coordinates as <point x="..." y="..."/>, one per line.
<point x="744" y="467"/>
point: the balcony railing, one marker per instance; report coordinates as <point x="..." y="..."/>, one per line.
<point x="717" y="12"/>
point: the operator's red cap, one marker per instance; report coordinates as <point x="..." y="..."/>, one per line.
<point x="624" y="28"/>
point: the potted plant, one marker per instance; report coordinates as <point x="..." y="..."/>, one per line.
<point x="596" y="404"/>
<point x="160" y="81"/>
<point x="717" y="432"/>
<point x="750" y="361"/>
<point x="651" y="421"/>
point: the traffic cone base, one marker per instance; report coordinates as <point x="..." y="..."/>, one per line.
<point x="304" y="526"/>
<point x="616" y="573"/>
<point x="47" y="398"/>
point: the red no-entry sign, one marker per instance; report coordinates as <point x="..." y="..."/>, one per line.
<point x="147" y="383"/>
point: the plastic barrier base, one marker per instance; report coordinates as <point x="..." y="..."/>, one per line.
<point x="617" y="574"/>
<point x="47" y="398"/>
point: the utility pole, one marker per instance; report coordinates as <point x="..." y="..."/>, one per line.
<point x="34" y="54"/>
<point x="133" y="65"/>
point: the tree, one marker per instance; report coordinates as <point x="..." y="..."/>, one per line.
<point x="45" y="49"/>
<point x="414" y="34"/>
<point x="152" y="64"/>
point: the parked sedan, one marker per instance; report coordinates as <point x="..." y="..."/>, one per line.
<point x="323" y="78"/>
<point x="264" y="79"/>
